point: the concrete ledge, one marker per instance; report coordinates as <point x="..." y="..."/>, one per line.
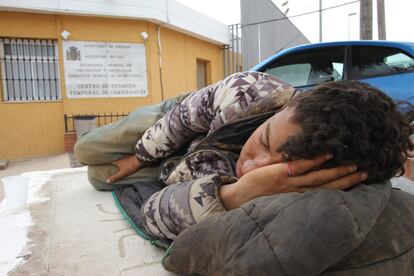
<point x="4" y="164"/>
<point x="76" y="230"/>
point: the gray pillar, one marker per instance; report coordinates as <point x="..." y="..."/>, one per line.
<point x="366" y="19"/>
<point x="381" y="20"/>
<point x="320" y="20"/>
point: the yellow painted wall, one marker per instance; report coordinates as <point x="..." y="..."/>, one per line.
<point x="179" y="59"/>
<point x="24" y="127"/>
<point x="31" y="129"/>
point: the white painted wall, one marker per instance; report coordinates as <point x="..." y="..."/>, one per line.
<point x="167" y="13"/>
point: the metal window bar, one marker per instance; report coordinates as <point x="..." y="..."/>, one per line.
<point x="29" y="69"/>
<point x="101" y="119"/>
<point x="232" y="59"/>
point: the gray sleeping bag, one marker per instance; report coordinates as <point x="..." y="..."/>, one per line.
<point x="368" y="230"/>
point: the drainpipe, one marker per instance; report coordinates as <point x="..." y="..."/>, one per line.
<point x="160" y="47"/>
<point x="160" y="60"/>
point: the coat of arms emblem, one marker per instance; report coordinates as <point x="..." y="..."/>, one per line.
<point x="73" y="53"/>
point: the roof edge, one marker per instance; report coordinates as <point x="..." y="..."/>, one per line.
<point x="167" y="13"/>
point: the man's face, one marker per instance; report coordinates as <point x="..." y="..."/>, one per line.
<point x="261" y="148"/>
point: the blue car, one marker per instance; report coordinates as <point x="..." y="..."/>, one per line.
<point x="386" y="65"/>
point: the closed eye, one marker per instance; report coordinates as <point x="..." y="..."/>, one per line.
<point x="262" y="142"/>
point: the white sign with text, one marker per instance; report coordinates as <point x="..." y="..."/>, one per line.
<point x="104" y="69"/>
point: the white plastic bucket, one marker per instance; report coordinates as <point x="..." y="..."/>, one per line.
<point x="15" y="190"/>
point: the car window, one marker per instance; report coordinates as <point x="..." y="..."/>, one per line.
<point x="400" y="62"/>
<point x="309" y="67"/>
<point x="294" y="74"/>
<point x="380" y="61"/>
<point x="338" y="70"/>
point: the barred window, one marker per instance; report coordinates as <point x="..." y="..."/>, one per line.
<point x="29" y="69"/>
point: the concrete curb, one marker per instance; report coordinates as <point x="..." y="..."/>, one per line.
<point x="4" y="164"/>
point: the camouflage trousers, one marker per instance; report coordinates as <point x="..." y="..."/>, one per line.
<point x="101" y="146"/>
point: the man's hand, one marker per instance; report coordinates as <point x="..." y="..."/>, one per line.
<point x="275" y="179"/>
<point x="127" y="166"/>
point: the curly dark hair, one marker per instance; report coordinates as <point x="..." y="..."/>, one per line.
<point x="355" y="122"/>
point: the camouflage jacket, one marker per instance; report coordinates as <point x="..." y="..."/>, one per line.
<point x="211" y="125"/>
<point x="367" y="230"/>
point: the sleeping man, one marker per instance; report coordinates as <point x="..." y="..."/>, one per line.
<point x="252" y="177"/>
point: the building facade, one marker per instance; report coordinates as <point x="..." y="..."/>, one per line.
<point x="179" y="50"/>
